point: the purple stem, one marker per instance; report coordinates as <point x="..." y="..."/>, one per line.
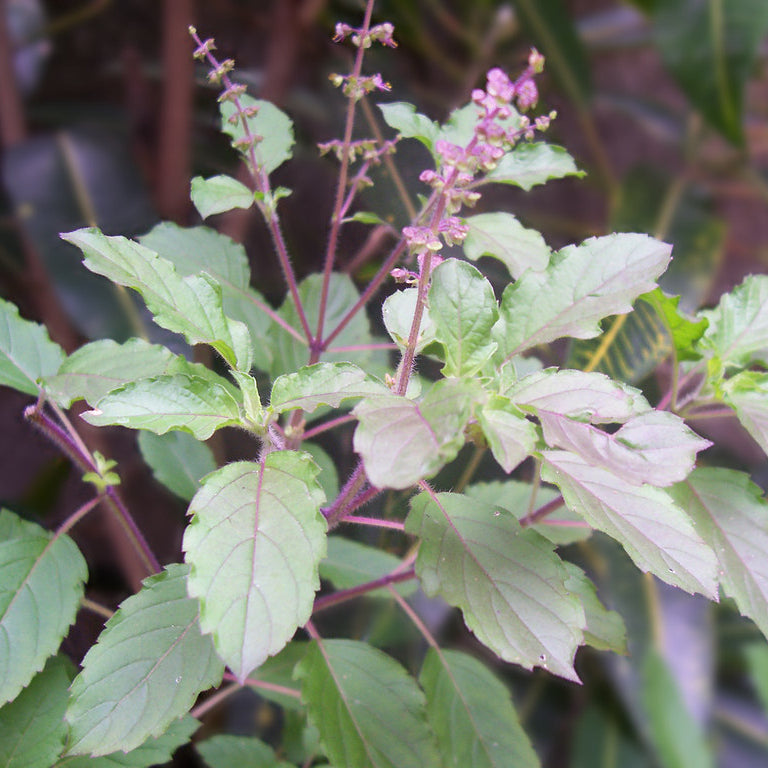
<point x="333" y="235"/>
<point x="321" y="603"/>
<point x="69" y="447"/>
<point x="542" y="512"/>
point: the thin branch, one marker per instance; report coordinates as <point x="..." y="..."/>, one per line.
<point x="94" y="607"/>
<point x="543" y="511"/>
<point x="375" y="522"/>
<point x="321" y="603"/>
<point x="78" y="515"/>
<point x="415" y="619"/>
<point x="331" y="424"/>
<point x="214" y="700"/>
<point x="333" y="235"/>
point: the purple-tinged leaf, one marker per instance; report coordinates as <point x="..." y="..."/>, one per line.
<point x="655" y="447"/>
<point x="738" y="325"/>
<point x="731" y="514"/>
<point x="511" y="437"/>
<point x="509" y="583"/>
<point x="590" y="397"/>
<point x="582" y="284"/>
<point x="747" y="394"/>
<point x="655" y="532"/>
<point x="402" y="441"/>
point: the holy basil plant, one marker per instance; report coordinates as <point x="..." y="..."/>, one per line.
<point x="272" y="542"/>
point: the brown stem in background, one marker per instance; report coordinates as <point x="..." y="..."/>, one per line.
<point x="173" y="162"/>
<point x="12" y="128"/>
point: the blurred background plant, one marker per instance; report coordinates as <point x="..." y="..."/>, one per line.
<point x="104" y="118"/>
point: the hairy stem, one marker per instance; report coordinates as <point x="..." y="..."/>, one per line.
<point x="321" y="603"/>
<point x="542" y="512"/>
<point x="375" y="522"/>
<point x="72" y="446"/>
<point x="333" y="235"/>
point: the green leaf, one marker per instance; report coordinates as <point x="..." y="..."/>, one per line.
<point x="278" y="670"/>
<point x="463" y="309"/>
<point x="189" y="305"/>
<point x="271" y="124"/>
<point x="605" y="629"/>
<point x="163" y="403"/>
<point x="226" y="751"/>
<point x="560" y="527"/>
<point x="402" y="441"/>
<point x="366" y="217"/>
<point x="532" y="163"/>
<point x="552" y="27"/>
<point x="460" y="126"/>
<point x="369" y="711"/>
<point x="404" y="118"/>
<point x="747" y="394"/>
<point x="177" y="460"/>
<point x="684" y="331"/>
<point x="219" y="194"/>
<point x="732" y="516"/>
<point x="582" y="284"/>
<point x="41" y="584"/>
<point x="146" y="670"/>
<point x="655" y="447"/>
<point x="202" y="249"/>
<point x="32" y="729"/>
<point x="154" y="751"/>
<point x="472" y="715"/>
<point x="502" y="236"/>
<point x="289" y="353"/>
<point x="710" y="46"/>
<point x="676" y="735"/>
<point x="738" y="326"/>
<point x="253" y="411"/>
<point x="653" y="530"/>
<point x="329" y="476"/>
<point x="323" y="384"/>
<point x="26" y="351"/>
<point x="350" y="563"/>
<point x="397" y="313"/>
<point x="97" y="368"/>
<point x="511" y="437"/>
<point x="255" y="541"/>
<point x="588" y="397"/>
<point x="509" y="583"/>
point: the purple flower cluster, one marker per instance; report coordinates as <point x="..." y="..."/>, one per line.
<point x="500" y="125"/>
